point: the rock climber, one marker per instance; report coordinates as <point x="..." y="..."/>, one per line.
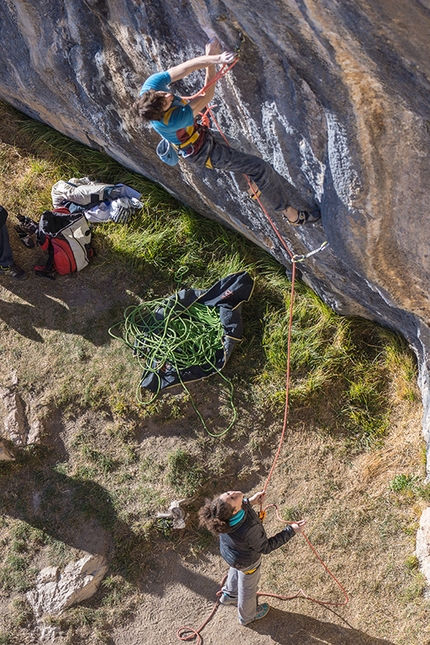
<point x="174" y="119"/>
<point x="7" y="264"/>
<point x="243" y="541"/>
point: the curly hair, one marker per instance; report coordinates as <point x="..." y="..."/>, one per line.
<point x="150" y="106"/>
<point x="215" y="515"/>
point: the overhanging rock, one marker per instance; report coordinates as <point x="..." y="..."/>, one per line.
<point x="333" y="94"/>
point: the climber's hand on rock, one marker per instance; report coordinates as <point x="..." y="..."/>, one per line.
<point x="227" y="58"/>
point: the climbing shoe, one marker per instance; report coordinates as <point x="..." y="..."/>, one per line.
<point x="225" y="599"/>
<point x="262" y="610"/>
<point x="304" y="217"/>
<point x="13" y="271"/>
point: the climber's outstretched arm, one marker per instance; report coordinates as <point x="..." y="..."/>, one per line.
<point x="213" y="48"/>
<point x="213" y="56"/>
<point x="183" y="69"/>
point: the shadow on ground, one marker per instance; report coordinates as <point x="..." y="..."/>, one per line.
<point x="83" y="304"/>
<point x="285" y="628"/>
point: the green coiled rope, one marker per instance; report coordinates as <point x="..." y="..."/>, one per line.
<point x="164" y="332"/>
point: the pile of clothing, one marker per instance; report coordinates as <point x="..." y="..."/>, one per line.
<point x="99" y="202"/>
<point x="64" y="232"/>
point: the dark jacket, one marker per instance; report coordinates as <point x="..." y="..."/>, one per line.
<point x="244" y="543"/>
<point x="3" y="216"/>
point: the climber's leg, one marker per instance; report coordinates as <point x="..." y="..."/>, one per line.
<point x="278" y="193"/>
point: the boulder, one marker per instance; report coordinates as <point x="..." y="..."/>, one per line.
<point x="14" y="420"/>
<point x="21" y="422"/>
<point x="55" y="591"/>
<point x="333" y="94"/>
<point x="36" y="431"/>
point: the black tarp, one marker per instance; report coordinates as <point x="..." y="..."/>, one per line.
<point x="227" y="296"/>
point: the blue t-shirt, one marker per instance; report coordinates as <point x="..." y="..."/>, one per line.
<point x="178" y="122"/>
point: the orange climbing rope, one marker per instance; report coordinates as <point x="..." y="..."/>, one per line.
<point x="300" y="593"/>
<point x="186" y="633"/>
<point x="222" y="72"/>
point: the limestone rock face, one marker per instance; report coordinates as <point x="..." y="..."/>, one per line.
<point x="333" y="94"/>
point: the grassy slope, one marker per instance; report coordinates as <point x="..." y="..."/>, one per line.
<point x="353" y="463"/>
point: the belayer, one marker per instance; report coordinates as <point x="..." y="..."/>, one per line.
<point x="243" y="541"/>
<point x="7" y="264"/>
<point x="174" y="119"/>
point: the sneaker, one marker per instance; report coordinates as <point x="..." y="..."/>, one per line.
<point x="13" y="271"/>
<point x="262" y="610"/>
<point x="226" y="599"/>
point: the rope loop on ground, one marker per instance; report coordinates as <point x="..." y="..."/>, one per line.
<point x="195" y="633"/>
<point x="192" y="633"/>
<point x="164" y="332"/>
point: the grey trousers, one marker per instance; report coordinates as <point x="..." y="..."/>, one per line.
<point x="277" y="192"/>
<point x="244" y="586"/>
<point x="6" y="258"/>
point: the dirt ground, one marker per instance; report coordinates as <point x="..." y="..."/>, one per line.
<point x="179" y="586"/>
<point x="181" y="591"/>
<point x="353" y="519"/>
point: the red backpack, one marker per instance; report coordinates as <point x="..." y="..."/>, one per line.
<point x="67" y="239"/>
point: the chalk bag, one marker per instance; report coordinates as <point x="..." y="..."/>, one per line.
<point x="167" y="153"/>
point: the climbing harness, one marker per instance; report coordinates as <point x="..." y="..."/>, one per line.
<point x="186" y="633"/>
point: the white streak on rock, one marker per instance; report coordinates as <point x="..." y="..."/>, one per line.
<point x="312" y="168"/>
<point x="345" y="178"/>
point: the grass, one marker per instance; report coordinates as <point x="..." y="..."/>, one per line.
<point x="347" y="358"/>
<point x="109" y="465"/>
<point x="184" y="473"/>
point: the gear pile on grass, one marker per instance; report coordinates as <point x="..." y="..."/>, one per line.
<point x="187" y="336"/>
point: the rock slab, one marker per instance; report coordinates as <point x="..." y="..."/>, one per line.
<point x="5" y="453"/>
<point x="14" y="418"/>
<point x="20" y="420"/>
